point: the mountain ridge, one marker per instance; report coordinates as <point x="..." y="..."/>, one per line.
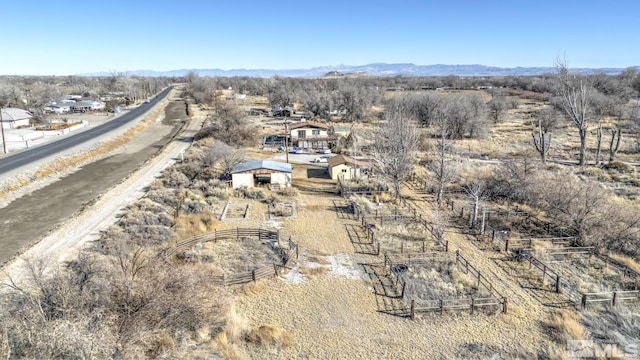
<point x="380" y="69"/>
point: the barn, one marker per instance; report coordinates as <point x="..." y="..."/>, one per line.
<point x="249" y="174"/>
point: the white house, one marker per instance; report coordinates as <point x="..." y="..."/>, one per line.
<point x="13" y="118"/>
<point x="86" y="105"/>
<point x="261" y="171"/>
<point x="59" y="108"/>
<point x="310" y="135"/>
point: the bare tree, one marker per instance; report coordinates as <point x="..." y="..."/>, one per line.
<point x="476" y="190"/>
<point x="497" y="106"/>
<point x="548" y="120"/>
<point x="397" y="143"/>
<point x="445" y="171"/>
<point x="575" y="91"/>
<point x="223" y="155"/>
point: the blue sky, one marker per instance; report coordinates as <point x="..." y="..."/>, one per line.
<point x="64" y="38"/>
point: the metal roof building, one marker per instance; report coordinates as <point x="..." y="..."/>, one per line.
<point x="276" y="173"/>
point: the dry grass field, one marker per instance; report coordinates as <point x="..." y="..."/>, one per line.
<point x="327" y="304"/>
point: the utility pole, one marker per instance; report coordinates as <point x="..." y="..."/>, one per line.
<point x="286" y="139"/>
<point x="4" y="142"/>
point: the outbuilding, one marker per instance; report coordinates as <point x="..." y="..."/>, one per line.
<point x="345" y="167"/>
<point x="13" y="118"/>
<point x="249" y="174"/>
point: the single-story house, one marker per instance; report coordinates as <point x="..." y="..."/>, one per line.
<point x="14" y="118"/>
<point x="59" y="108"/>
<point x="345" y="167"/>
<point x="87" y="105"/>
<point x="310" y="135"/>
<point x="261" y="171"/>
<point x="339" y="130"/>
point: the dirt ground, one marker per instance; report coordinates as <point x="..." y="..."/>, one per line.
<point x="333" y="313"/>
<point x="327" y="301"/>
<point x="27" y="219"/>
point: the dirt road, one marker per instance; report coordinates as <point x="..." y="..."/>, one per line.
<point x="28" y="219"/>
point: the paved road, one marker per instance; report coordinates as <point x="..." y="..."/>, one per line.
<point x="23" y="158"/>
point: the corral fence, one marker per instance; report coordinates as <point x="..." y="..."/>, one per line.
<point x="367" y="222"/>
<point x="285" y="254"/>
<point x="347" y="188"/>
<point x="569" y="290"/>
<point x="397" y="263"/>
<point x="487" y="222"/>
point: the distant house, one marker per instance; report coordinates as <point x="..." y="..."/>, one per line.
<point x="339" y="130"/>
<point x="345" y="167"/>
<point x="261" y="171"/>
<point x="280" y="112"/>
<point x="310" y="135"/>
<point x="87" y="105"/>
<point x="236" y="96"/>
<point x="59" y="108"/>
<point x="14" y="118"/>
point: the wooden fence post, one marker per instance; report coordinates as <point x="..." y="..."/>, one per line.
<point x="504" y="305"/>
<point x="297" y="247"/>
<point x="473" y="304"/>
<point x="613" y="301"/>
<point x="478" y="285"/>
<point x="441" y="307"/>
<point x="506" y="244"/>
<point x="558" y="288"/>
<point x="584" y="301"/>
<point x="275" y="269"/>
<point x="446" y="246"/>
<point x="544" y="272"/>
<point x="253" y="275"/>
<point x="493" y="235"/>
<point x="413" y="309"/>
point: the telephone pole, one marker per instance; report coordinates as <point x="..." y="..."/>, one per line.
<point x="4" y="143"/>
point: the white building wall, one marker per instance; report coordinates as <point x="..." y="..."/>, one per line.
<point x="14" y="124"/>
<point x="240" y="180"/>
<point x="346" y="172"/>
<point x="284" y="179"/>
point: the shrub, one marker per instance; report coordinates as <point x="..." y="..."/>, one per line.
<point x="173" y="178"/>
<point x="619" y="167"/>
<point x="164" y="196"/>
<point x="289" y="191"/>
<point x="250" y="193"/>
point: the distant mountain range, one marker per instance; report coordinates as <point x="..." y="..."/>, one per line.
<point x="379" y="69"/>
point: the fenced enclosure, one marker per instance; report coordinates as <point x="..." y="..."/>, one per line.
<point x="284" y="255"/>
<point x="583" y="276"/>
<point x="400" y="229"/>
<point x="234" y="212"/>
<point x="509" y="229"/>
<point x="281" y="210"/>
<point x="442" y="281"/>
<point x="348" y="188"/>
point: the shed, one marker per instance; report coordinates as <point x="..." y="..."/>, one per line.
<point x="14" y="118"/>
<point x="347" y="168"/>
<point x="261" y="171"/>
